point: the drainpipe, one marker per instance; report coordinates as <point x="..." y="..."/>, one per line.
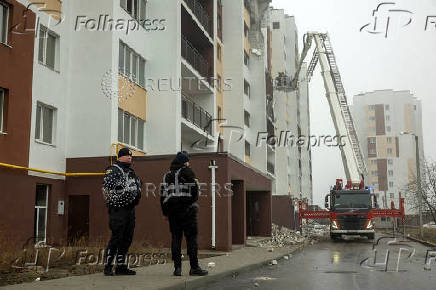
<point x="213" y="166"/>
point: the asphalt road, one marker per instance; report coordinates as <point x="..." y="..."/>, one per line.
<point x="345" y="265"/>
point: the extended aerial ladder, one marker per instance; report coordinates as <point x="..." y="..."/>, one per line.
<point x="352" y="157"/>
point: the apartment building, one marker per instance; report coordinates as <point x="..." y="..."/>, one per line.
<point x="380" y="118"/>
<point x="292" y="162"/>
<point x="92" y="77"/>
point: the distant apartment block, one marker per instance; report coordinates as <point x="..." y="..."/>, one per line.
<point x="380" y="118"/>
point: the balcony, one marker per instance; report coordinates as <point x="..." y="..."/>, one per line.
<point x="196" y="115"/>
<point x="201" y="14"/>
<point x="195" y="59"/>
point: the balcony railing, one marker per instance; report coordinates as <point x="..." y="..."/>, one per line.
<point x="196" y="115"/>
<point x="201" y="14"/>
<point x="194" y="58"/>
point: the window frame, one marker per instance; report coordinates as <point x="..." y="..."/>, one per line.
<point x="276" y="25"/>
<point x="246" y="59"/>
<point x="40" y="131"/>
<point x="139" y="122"/>
<point x="137" y="10"/>
<point x="247" y="118"/>
<point x="47" y="32"/>
<point x="247" y="85"/>
<point x="130" y="55"/>
<point x="247" y="146"/>
<point x="37" y="209"/>
<point x="5" y="23"/>
<point x="2" y="109"/>
<point x="218" y="52"/>
<point x="219" y="82"/>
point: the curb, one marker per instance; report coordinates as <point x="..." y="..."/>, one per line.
<point x="203" y="281"/>
<point x="425" y="243"/>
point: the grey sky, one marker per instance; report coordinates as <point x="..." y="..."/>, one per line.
<point x="404" y="61"/>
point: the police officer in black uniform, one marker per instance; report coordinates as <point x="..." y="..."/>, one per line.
<point x="179" y="192"/>
<point x="122" y="192"/>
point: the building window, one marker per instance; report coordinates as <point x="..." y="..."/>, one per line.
<point x="414" y="107"/>
<point x="373" y="161"/>
<point x="372" y="140"/>
<point x="130" y="130"/>
<point x="391" y="184"/>
<point x="388" y="118"/>
<point x="219" y="113"/>
<point x="389" y="140"/>
<point x="2" y="109"/>
<point x="220" y="26"/>
<point x="247" y="149"/>
<point x="246" y="58"/>
<point x="390" y="161"/>
<point x="391" y="173"/>
<point x="218" y="52"/>
<point x="44" y="123"/>
<point x="40" y="219"/>
<point x="372" y="118"/>
<point x="246" y="118"/>
<point x="4" y="19"/>
<point x="389" y="150"/>
<point x="131" y="65"/>
<point x="276" y="25"/>
<point x="388" y="128"/>
<point x="371" y="107"/>
<point x="48" y="51"/>
<point x="136" y="9"/>
<point x="246" y="88"/>
<point x="387" y="107"/>
<point x="245" y="29"/>
<point x="219" y="81"/>
<point x="374" y="173"/>
<point x="372" y="129"/>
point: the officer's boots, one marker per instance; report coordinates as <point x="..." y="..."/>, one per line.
<point x="198" y="272"/>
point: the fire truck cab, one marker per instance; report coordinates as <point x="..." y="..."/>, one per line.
<point x="350" y="211"/>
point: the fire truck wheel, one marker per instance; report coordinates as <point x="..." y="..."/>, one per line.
<point x="371" y="236"/>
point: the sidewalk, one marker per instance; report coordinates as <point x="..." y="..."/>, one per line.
<point x="160" y="276"/>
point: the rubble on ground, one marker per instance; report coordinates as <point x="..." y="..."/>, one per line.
<point x="282" y="237"/>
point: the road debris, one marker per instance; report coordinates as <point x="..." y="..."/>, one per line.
<point x="283" y="237"/>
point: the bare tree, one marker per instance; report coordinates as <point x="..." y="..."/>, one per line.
<point x="428" y="188"/>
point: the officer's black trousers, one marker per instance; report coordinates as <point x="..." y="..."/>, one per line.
<point x="184" y="223"/>
<point x="122" y="225"/>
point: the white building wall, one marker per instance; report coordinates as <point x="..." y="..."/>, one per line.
<point x="233" y="63"/>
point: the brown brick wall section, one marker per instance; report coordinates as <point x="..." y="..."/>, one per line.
<point x="282" y="210"/>
<point x="382" y="168"/>
<point x="16" y="77"/>
<point x="18" y="191"/>
<point x="151" y="227"/>
<point x="380" y="120"/>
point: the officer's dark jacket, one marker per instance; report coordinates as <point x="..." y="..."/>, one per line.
<point x="178" y="196"/>
<point x="121" y="186"/>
